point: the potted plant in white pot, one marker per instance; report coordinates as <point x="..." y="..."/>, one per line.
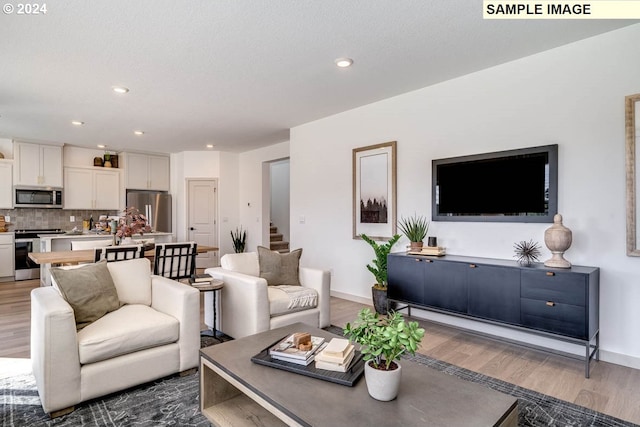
<point x="379" y="270"/>
<point x="415" y="228"/>
<point x="383" y="339"/>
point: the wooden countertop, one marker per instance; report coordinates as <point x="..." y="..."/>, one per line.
<point x="87" y="255"/>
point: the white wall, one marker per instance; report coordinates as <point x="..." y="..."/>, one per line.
<point x="254" y="192"/>
<point x="280" y="197"/>
<point x="572" y="96"/>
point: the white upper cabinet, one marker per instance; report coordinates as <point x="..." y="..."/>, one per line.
<point x="91" y="188"/>
<point x="37" y="165"/>
<point x="6" y="184"/>
<point x="147" y="172"/>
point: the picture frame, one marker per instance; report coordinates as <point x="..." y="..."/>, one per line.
<point x="374" y="191"/>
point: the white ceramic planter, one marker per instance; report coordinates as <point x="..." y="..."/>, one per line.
<point x="382" y="385"/>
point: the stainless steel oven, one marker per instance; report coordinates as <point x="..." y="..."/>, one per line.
<point x="28" y="241"/>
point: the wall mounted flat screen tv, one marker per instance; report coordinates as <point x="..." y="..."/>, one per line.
<point x="507" y="186"/>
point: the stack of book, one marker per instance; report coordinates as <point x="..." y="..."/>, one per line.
<point x="197" y="280"/>
<point x="336" y="356"/>
<point x="286" y="351"/>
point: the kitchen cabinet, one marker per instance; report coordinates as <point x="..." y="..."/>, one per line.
<point x="91" y="188"/>
<point x="7" y="252"/>
<point x="37" y="165"/>
<point x="6" y="184"/>
<point x="558" y="303"/>
<point x="147" y="172"/>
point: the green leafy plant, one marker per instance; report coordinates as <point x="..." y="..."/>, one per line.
<point x="379" y="267"/>
<point x="384" y="339"/>
<point x="415" y="227"/>
<point x="239" y="239"/>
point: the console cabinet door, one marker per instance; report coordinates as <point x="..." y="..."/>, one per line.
<point x="406" y="279"/>
<point x="445" y="285"/>
<point x="494" y="292"/>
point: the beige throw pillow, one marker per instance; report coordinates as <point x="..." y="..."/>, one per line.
<point x="279" y="269"/>
<point x="89" y="290"/>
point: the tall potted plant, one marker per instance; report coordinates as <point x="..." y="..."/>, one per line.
<point x="415" y="228"/>
<point x="378" y="268"/>
<point x="383" y="339"/>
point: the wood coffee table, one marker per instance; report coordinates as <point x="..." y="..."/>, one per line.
<point x="235" y="391"/>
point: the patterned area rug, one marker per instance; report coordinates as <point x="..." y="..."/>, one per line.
<point x="174" y="401"/>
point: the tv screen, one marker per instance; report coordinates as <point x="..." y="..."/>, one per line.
<point x="508" y="186"/>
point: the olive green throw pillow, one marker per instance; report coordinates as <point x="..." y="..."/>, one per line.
<point x="277" y="268"/>
<point x="89" y="290"/>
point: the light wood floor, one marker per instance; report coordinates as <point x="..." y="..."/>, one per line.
<point x="612" y="389"/>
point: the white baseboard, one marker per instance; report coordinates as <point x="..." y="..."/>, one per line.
<point x="501" y="332"/>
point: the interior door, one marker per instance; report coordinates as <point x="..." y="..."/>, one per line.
<point x="202" y="218"/>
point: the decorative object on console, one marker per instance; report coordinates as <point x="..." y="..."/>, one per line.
<point x="132" y="222"/>
<point x="374" y="191"/>
<point x="558" y="240"/>
<point x="383" y="339"/>
<point x="432" y="242"/>
<point x="527" y="252"/>
<point x="415" y="228"/>
<point x="239" y="240"/>
<point x="632" y="124"/>
<point x="379" y="271"/>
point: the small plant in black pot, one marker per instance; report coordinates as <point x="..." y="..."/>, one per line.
<point x="239" y="239"/>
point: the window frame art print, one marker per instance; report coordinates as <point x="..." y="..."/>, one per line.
<point x="374" y="191"/>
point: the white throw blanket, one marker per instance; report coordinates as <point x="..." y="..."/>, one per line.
<point x="299" y="296"/>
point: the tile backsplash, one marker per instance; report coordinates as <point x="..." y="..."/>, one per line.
<point x="27" y="218"/>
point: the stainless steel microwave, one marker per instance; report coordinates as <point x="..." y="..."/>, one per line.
<point x="37" y="197"/>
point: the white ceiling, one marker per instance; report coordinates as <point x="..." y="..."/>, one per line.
<point x="238" y="73"/>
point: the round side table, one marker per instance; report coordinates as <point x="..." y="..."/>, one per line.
<point x="213" y="286"/>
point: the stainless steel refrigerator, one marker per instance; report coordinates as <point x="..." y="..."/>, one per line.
<point x="155" y="205"/>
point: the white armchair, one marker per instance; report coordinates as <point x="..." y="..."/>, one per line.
<point x="154" y="334"/>
<point x="248" y="305"/>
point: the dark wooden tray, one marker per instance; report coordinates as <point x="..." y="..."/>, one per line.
<point x="348" y="378"/>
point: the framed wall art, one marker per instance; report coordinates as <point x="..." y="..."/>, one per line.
<point x="374" y="191"/>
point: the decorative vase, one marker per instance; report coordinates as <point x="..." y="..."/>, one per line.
<point x="126" y="241"/>
<point x="416" y="246"/>
<point x="380" y="302"/>
<point x="558" y="240"/>
<point x="107" y="164"/>
<point x="383" y="385"/>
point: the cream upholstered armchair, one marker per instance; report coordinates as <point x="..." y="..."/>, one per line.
<point x="151" y="329"/>
<point x="250" y="305"/>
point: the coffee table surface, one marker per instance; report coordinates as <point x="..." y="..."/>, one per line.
<point x="426" y="397"/>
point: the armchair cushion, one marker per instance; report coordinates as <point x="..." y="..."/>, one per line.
<point x="279" y="269"/>
<point x="131" y="328"/>
<point x="89" y="290"/>
<point x="132" y="280"/>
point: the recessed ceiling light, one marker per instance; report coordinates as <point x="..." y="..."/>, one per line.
<point x="138" y="132"/>
<point x="209" y="145"/>
<point x="102" y="146"/>
<point x="120" y="89"/>
<point x="77" y="122"/>
<point x="344" y="62"/>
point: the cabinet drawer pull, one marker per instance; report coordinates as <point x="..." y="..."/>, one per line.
<point x="551" y="303"/>
<point x="428" y="260"/>
<point x="417" y="259"/>
<point x="472" y="266"/>
<point x="550" y="273"/>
